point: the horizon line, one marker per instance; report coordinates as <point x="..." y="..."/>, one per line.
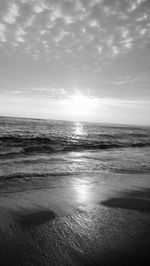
<point x="75" y="121"/>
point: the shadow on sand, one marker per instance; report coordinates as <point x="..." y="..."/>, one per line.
<point x="132" y="200"/>
<point x="36" y="217"/>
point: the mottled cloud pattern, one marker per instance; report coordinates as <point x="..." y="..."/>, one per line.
<point x="72" y="28"/>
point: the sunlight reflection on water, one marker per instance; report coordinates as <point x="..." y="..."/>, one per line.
<point x="82" y="192"/>
<point x="78" y="129"/>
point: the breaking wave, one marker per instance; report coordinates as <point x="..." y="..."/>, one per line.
<point x="33" y="175"/>
<point x="12" y="146"/>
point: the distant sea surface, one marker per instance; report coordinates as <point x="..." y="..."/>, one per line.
<point x="43" y="152"/>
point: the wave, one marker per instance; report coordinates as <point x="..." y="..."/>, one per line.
<point x="34" y="174"/>
<point x="13" y="146"/>
<point x="132" y="171"/>
<point x="25" y="140"/>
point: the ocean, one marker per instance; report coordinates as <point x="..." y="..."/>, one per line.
<point x="41" y="153"/>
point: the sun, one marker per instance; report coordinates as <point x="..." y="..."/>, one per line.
<point x="79" y="105"/>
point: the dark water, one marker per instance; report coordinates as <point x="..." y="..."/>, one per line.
<point x="33" y="150"/>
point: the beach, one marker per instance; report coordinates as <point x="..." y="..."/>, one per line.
<point x="74" y="132"/>
<point x="75" y="225"/>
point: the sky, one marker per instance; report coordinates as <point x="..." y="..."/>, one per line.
<point x="81" y="60"/>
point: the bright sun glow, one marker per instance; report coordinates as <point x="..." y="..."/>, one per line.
<point x="79" y="105"/>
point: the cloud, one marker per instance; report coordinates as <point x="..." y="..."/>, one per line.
<point x="20" y="33"/>
<point x="39" y="6"/>
<point x="126" y="80"/>
<point x="56" y="13"/>
<point x="109" y="11"/>
<point x="134" y="4"/>
<point x="115" y="51"/>
<point x="29" y="21"/>
<point x="68" y="19"/>
<point x="79" y="6"/>
<point x="100" y="49"/>
<point x="75" y="29"/>
<point x="2" y="33"/>
<point x="95" y="2"/>
<point x="94" y="23"/>
<point x="61" y="35"/>
<point x="52" y="92"/>
<point x="12" y="13"/>
<point x="127" y="43"/>
<point x="142" y="18"/>
<point x="124" y="32"/>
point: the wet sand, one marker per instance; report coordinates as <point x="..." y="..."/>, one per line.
<point x="76" y="225"/>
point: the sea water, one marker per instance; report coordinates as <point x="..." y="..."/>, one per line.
<point x="44" y="152"/>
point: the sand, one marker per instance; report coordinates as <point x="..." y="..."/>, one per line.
<point x="83" y="224"/>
